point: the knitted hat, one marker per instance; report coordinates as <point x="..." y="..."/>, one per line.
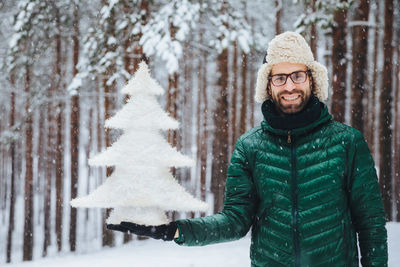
<point x="291" y="47"/>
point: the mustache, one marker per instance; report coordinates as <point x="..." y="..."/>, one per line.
<point x="291" y="92"/>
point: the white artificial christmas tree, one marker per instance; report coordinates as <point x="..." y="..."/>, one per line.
<point x="141" y="188"/>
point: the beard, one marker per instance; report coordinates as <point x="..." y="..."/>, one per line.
<point x="285" y="106"/>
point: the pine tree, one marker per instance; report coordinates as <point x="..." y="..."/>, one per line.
<point x="141" y="187"/>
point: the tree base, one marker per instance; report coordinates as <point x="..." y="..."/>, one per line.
<point x="143" y="216"/>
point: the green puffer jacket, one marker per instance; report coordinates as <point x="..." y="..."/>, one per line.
<point x="305" y="193"/>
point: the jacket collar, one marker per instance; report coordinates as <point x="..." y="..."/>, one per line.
<point x="309" y="121"/>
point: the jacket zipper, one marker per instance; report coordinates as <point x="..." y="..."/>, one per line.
<point x="294" y="198"/>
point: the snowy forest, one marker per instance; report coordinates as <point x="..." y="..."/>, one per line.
<point x="63" y="65"/>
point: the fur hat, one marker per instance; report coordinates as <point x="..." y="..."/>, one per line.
<point x="291" y="47"/>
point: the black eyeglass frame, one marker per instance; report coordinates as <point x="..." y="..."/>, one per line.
<point x="307" y="72"/>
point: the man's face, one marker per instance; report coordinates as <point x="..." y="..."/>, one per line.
<point x="291" y="97"/>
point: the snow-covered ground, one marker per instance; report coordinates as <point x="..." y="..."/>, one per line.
<point x="151" y="253"/>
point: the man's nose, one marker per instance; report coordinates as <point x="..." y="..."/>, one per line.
<point x="289" y="85"/>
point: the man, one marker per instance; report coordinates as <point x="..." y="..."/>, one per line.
<point x="305" y="184"/>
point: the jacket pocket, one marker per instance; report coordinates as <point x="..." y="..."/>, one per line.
<point x="260" y="218"/>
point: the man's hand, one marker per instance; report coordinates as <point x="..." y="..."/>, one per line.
<point x="166" y="232"/>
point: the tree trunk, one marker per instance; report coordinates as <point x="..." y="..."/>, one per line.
<point x="138" y="50"/>
<point x="59" y="159"/>
<point x="359" y="66"/>
<point x="109" y="109"/>
<point x="50" y="170"/>
<point x="243" y="106"/>
<point x="74" y="135"/>
<point x="385" y="131"/>
<point x="46" y="185"/>
<point x="253" y="71"/>
<point x="59" y="177"/>
<point x="221" y="122"/>
<point x="42" y="176"/>
<point x="371" y="129"/>
<point x="339" y="64"/>
<point x="172" y="105"/>
<point x="172" y="96"/>
<point x="13" y="176"/>
<point x="235" y="89"/>
<point x="396" y="158"/>
<point x="203" y="144"/>
<point x="220" y="144"/>
<point x="28" y="224"/>
<point x="202" y="116"/>
<point x="278" y="11"/>
<point x="188" y="106"/>
<point x="313" y="32"/>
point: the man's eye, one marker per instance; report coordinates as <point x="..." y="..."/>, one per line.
<point x="280" y="78"/>
<point x="298" y="76"/>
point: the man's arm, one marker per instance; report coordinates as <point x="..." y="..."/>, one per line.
<point x="366" y="206"/>
<point x="236" y="218"/>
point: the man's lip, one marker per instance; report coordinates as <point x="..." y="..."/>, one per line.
<point x="291" y="97"/>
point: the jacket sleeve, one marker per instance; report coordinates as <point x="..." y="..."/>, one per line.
<point x="236" y="218"/>
<point x="366" y="205"/>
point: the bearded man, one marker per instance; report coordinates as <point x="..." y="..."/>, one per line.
<point x="305" y="184"/>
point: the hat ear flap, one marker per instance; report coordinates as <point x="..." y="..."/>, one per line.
<point x="320" y="80"/>
<point x="262" y="83"/>
<point x="311" y="81"/>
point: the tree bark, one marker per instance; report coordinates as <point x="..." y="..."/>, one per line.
<point x="204" y="132"/>
<point x="172" y="96"/>
<point x="109" y="109"/>
<point x="172" y="105"/>
<point x="59" y="159"/>
<point x="202" y="117"/>
<point x="339" y="64"/>
<point x="221" y="122"/>
<point x="74" y="134"/>
<point x="11" y="216"/>
<point x="385" y="131"/>
<point x="28" y="223"/>
<point x="243" y="106"/>
<point x="371" y="129"/>
<point x="47" y="187"/>
<point x="278" y="11"/>
<point x="253" y="71"/>
<point x="188" y="106"/>
<point x="220" y="144"/>
<point x="396" y="159"/>
<point x="313" y="33"/>
<point x="235" y="89"/>
<point x="359" y="66"/>
<point x="138" y="50"/>
<point x="50" y="170"/>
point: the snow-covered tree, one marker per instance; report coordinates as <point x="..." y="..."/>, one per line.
<point x="141" y="187"/>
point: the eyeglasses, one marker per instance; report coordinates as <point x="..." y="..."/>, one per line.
<point x="296" y="77"/>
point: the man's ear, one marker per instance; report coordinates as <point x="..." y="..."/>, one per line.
<point x="269" y="93"/>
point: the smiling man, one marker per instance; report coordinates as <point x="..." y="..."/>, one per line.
<point x="290" y="95"/>
<point x="305" y="184"/>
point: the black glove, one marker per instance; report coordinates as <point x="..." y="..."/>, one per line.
<point x="165" y="232"/>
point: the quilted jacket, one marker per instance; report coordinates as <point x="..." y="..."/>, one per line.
<point x="306" y="194"/>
